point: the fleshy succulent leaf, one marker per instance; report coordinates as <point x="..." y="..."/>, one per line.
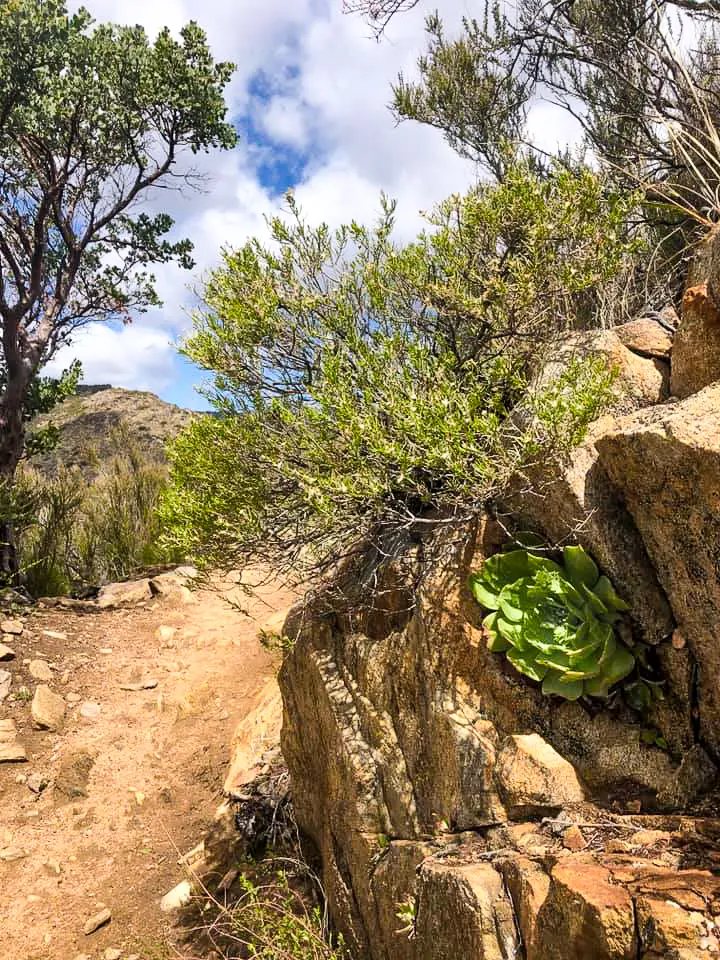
<point x="554" y="683"/>
<point x="606" y="592"/>
<point x="483" y="594"/>
<point x="554" y="623"/>
<point x="526" y="663"/>
<point x="581" y="568"/>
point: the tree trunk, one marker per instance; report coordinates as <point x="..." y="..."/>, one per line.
<point x="12" y="439"/>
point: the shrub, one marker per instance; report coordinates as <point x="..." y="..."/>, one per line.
<point x="91" y="530"/>
<point x="365" y="387"/>
<point x="272" y="922"/>
<point x="553" y="622"/>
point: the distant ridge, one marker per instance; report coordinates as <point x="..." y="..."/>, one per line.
<point x="89" y="420"/>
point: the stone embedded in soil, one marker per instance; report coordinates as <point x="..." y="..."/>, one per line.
<point x="98" y="920"/>
<point x="122" y="594"/>
<point x="176" y="898"/>
<point x="11" y="751"/>
<point x="40" y="670"/>
<point x="36" y="782"/>
<point x="48" y="709"/>
<point x="5" y="684"/>
<point x="112" y="953"/>
<point x="73" y="698"/>
<point x="534" y="779"/>
<point x="140" y="685"/>
<point x="6" y="653"/>
<point x="10" y="854"/>
<point x="90" y="710"/>
<point x="72" y="777"/>
<point x="54" y="635"/>
<point x="13" y="627"/>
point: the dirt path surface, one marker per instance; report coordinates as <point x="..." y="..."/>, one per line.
<point x="133" y="777"/>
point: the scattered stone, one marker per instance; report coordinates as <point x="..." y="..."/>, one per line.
<point x="90" y="710"/>
<point x="573" y="839"/>
<point x="6" y="653"/>
<point x="112" y="953"/>
<point x="106" y="650"/>
<point x="99" y="920"/>
<point x="48" y="709"/>
<point x="534" y="779"/>
<point x="13" y="627"/>
<point x="40" y="670"/>
<point x="166" y="635"/>
<point x="124" y="594"/>
<point x="5" y="684"/>
<point x="10" y="854"/>
<point x="176" y="898"/>
<point x="140" y="685"/>
<point x="72" y="698"/>
<point x="11" y="751"/>
<point x="54" y="635"/>
<point x="52" y="867"/>
<point x="36" y="782"/>
<point x="74" y="773"/>
<point x="83" y="956"/>
<point x="649" y="838"/>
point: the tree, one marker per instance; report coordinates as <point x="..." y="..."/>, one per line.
<point x="93" y="119"/>
<point x="621" y="68"/>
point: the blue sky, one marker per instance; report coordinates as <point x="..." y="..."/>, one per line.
<point x="309" y="100"/>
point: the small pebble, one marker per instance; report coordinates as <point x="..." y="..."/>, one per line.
<point x="99" y="920"/>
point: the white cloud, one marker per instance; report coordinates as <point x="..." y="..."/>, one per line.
<point x="325" y="91"/>
<point x="135" y="357"/>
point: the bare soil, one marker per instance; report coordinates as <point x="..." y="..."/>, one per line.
<point x="133" y="782"/>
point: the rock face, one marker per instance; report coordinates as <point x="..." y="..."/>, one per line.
<point x="696" y="351"/>
<point x="534" y="779"/>
<point x="400" y="725"/>
<point x="461" y="814"/>
<point x="666" y="464"/>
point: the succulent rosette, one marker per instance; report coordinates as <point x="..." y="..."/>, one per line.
<point x="555" y="623"/>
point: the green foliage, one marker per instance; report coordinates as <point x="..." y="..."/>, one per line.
<point x="93" y="118"/>
<point x="407" y="914"/>
<point x="79" y="532"/>
<point x="362" y="384"/>
<point x="553" y="622"/>
<point x="273" y="923"/>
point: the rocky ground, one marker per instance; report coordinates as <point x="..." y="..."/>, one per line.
<point x="115" y="727"/>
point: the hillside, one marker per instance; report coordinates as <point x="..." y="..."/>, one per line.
<point x="88" y="421"/>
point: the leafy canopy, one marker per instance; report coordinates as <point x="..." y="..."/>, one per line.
<point x="553" y="622"/>
<point x="363" y="385"/>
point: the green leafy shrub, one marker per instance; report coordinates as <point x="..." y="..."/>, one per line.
<point x="272" y="922"/>
<point x="363" y="384"/>
<point x="554" y="622"/>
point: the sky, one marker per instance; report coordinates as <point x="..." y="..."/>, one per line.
<point x="310" y="101"/>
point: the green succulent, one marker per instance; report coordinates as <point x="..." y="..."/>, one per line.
<point x="553" y="622"/>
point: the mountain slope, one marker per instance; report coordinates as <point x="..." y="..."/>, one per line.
<point x="89" y="423"/>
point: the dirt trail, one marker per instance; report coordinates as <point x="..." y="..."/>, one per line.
<point x="135" y="776"/>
